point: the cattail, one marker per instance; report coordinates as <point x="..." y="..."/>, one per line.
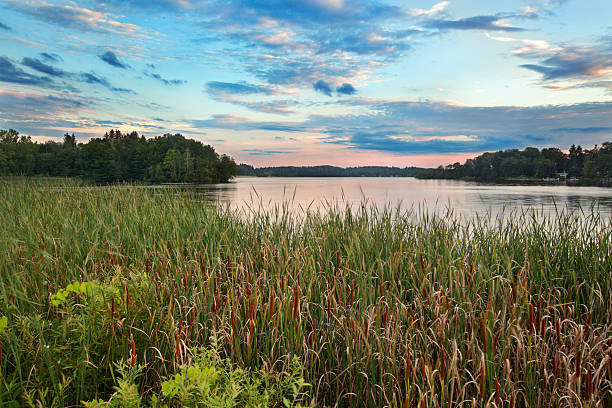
<point x="578" y="367"/>
<point x="589" y="385"/>
<point x="423" y="372"/>
<point x="295" y="301"/>
<point x="407" y="364"/>
<point x="314" y="330"/>
<point x="251" y="330"/>
<point x="530" y="318"/>
<point x="496" y="339"/>
<point x="588" y="326"/>
<point x="497" y="394"/>
<point x="558" y="331"/>
<point x="483" y="332"/>
<point x="407" y="402"/>
<point x="133" y="350"/>
<point x="252" y="308"/>
<point x="113" y="306"/>
<point x="482" y="377"/>
<point x="127" y="295"/>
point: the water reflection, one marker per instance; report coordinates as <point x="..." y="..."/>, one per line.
<point x="466" y="198"/>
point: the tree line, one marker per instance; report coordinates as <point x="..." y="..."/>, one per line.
<point x="327" y="171"/>
<point x="116" y="157"/>
<point x="579" y="165"/>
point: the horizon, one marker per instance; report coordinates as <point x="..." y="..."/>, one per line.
<point x="307" y="83"/>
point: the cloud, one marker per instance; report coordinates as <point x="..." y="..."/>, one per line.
<point x="5" y="27"/>
<point x="435" y="9"/>
<point x="574" y="62"/>
<point x="93" y="78"/>
<point x="235" y="93"/>
<point x="243" y="123"/>
<point x="72" y="16"/>
<point x="407" y="127"/>
<point x="323" y="87"/>
<point x="489" y="23"/>
<point x="346" y="89"/>
<point x="9" y="72"/>
<point x="51" y="57"/>
<point x="164" y="80"/>
<point x="264" y="152"/>
<point x="526" y="47"/>
<point x="37" y="114"/>
<point x="111" y="59"/>
<point x="219" y="89"/>
<point x="39" y="66"/>
<point x="434" y="127"/>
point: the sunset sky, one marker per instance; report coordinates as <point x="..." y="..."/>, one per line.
<point x="340" y="82"/>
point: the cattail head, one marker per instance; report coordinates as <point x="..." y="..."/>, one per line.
<point x="497" y="394"/>
<point x="482" y="377"/>
<point x="578" y="366"/>
<point x="295" y="301"/>
<point x="132" y="351"/>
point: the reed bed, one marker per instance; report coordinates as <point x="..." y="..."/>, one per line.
<point x="383" y="307"/>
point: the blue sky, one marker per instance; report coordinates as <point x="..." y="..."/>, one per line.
<point x="340" y="82"/>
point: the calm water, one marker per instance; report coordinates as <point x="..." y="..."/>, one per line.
<point x="465" y="198"/>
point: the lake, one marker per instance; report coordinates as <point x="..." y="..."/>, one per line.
<point x="466" y="198"/>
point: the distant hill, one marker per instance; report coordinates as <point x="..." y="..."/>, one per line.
<point x="328" y="171"/>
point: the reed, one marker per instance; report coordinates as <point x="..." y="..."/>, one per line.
<point x="383" y="307"/>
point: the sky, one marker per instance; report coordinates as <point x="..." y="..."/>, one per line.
<point x="296" y="82"/>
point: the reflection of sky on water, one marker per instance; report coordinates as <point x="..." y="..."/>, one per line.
<point x="464" y="197"/>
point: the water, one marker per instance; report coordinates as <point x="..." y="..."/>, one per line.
<point x="466" y="198"/>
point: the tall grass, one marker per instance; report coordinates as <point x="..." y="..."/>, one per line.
<point x="382" y="307"/>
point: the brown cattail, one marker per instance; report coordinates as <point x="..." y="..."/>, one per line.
<point x="314" y="330"/>
<point x="496" y="339"/>
<point x="251" y="330"/>
<point x="530" y="318"/>
<point x="133" y="350"/>
<point x="589" y="385"/>
<point x="482" y="377"/>
<point x="497" y="394"/>
<point x="578" y="368"/>
<point x="295" y="301"/>
<point x="588" y="326"/>
<point x="558" y="332"/>
<point x="483" y="332"/>
<point x="407" y="364"/>
<point x="423" y="372"/>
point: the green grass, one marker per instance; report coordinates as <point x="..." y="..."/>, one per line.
<point x="382" y="308"/>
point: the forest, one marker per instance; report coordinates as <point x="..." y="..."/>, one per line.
<point x="580" y="166"/>
<point x="327" y="171"/>
<point x="116" y="157"/>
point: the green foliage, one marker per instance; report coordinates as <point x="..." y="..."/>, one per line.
<point x="209" y="381"/>
<point x="591" y="166"/>
<point x="116" y="157"/>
